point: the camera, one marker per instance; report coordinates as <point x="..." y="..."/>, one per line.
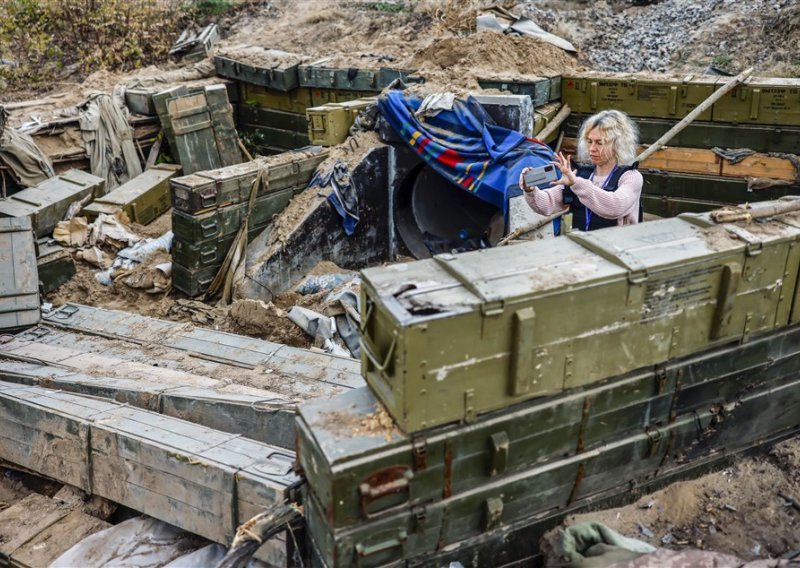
<point x="542" y="175"/>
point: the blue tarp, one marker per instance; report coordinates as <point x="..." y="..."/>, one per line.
<point x="466" y="146"/>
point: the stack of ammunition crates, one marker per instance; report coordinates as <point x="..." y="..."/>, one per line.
<point x="329" y="124"/>
<point x="688" y="176"/>
<point x="209" y="207"/>
<point x="648" y="350"/>
<point x="47" y="202"/>
<point x="143" y="199"/>
<point x="277" y="88"/>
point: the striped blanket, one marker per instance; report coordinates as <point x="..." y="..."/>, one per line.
<point x="465" y="145"/>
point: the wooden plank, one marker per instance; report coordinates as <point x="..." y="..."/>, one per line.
<point x="685" y="160"/>
<point x="57" y="538"/>
<point x="761" y="165"/>
<point x="18" y="525"/>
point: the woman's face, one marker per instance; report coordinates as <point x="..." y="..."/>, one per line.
<point x="599" y="147"/>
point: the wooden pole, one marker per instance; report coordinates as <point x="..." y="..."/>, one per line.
<point x="555" y="123"/>
<point x="715" y="96"/>
<point x="734" y="214"/>
<point x="538" y="224"/>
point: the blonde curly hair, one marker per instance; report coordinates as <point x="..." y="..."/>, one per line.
<point x="618" y="130"/>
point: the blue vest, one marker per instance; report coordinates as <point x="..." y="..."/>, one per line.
<point x="580" y="212"/>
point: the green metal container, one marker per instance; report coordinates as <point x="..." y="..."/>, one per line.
<point x="203" y="191"/>
<point x="329" y="125"/>
<point x="434" y="330"/>
<point x="761" y="100"/>
<point x="160" y="100"/>
<point x="408" y="532"/>
<point x="54" y="265"/>
<point x="296" y="100"/>
<point x="361" y="477"/>
<point x="47" y="202"/>
<point x="266" y="138"/>
<point x="637" y="95"/>
<point x="143" y="198"/>
<point x="321" y="97"/>
<point x="259" y="66"/>
<point x="318" y="74"/>
<point x="538" y="88"/>
<point x="210" y="252"/>
<point x="19" y="285"/>
<point x="250" y="114"/>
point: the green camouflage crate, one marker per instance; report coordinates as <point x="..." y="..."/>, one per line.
<point x="637" y="95"/>
<point x="19" y="286"/>
<point x="434" y="330"/>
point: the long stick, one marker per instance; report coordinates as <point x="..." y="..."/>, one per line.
<point x="538" y="224"/>
<point x="714" y="97"/>
<point x="734" y="214"/>
<point x="554" y="124"/>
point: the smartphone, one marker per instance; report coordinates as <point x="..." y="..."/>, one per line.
<point x="541" y="176"/>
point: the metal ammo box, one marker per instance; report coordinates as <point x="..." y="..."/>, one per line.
<point x="650" y="96"/>
<point x="271" y="68"/>
<point x="329" y="125"/>
<point x="144" y="198"/>
<point x="47" y="202"/>
<point x="761" y="101"/>
<point x="538" y="88"/>
<point x="450" y="337"/>
<point x="19" y="285"/>
<point x="318" y="74"/>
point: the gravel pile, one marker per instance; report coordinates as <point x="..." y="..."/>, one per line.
<point x="617" y="36"/>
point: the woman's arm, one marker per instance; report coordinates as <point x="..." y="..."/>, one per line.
<point x="611" y="204"/>
<point x="543" y="201"/>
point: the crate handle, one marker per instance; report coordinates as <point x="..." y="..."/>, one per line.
<point x="369" y="351"/>
<point x="388" y="544"/>
<point x="399" y="482"/>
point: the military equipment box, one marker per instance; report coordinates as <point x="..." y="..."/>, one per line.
<point x="47" y="202"/>
<point x="318" y="74"/>
<point x="257" y="116"/>
<point x="296" y="100"/>
<point x="210" y="252"/>
<point x="357" y="478"/>
<point x="638" y="95"/>
<point x="193" y="282"/>
<point x="208" y="190"/>
<point x="143" y="199"/>
<point x="54" y="265"/>
<point x="267" y="140"/>
<point x="19" y="285"/>
<point x="542" y="117"/>
<point x="271" y="68"/>
<point x="434" y="330"/>
<point x="160" y="100"/>
<point x="761" y="101"/>
<point x="502" y="497"/>
<point x="321" y="97"/>
<point x="140" y="101"/>
<point x="329" y="125"/>
<point x="538" y="88"/>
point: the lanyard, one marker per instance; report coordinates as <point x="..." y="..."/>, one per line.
<point x="605" y="185"/>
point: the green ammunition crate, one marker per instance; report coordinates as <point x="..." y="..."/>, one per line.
<point x="208" y="190"/>
<point x="542" y="117"/>
<point x="143" y="198"/>
<point x="47" y="202"/>
<point x="193" y="282"/>
<point x="160" y="101"/>
<point x="224" y="125"/>
<point x="140" y="101"/>
<point x="347" y="473"/>
<point x="208" y="253"/>
<point x="708" y="134"/>
<point x="265" y="137"/>
<point x="257" y="116"/>
<point x="329" y="125"/>
<point x="263" y="67"/>
<point x="296" y="100"/>
<point x="710" y="189"/>
<point x="224" y="221"/>
<point x="321" y="97"/>
<point x="408" y="532"/>
<point x="54" y="265"/>
<point x="317" y="75"/>
<point x="19" y="285"/>
<point x="637" y="95"/>
<point x="538" y="88"/>
<point x="664" y="206"/>
<point x="434" y="330"/>
<point x="761" y="101"/>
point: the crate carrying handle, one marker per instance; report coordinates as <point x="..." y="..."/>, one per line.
<point x="369" y="351"/>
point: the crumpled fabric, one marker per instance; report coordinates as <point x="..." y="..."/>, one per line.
<point x="733" y="155"/>
<point x="594" y="545"/>
<point x="109" y="141"/>
<point x="343" y="196"/>
<point x="28" y="164"/>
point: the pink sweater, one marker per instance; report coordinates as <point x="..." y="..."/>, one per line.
<point x="622" y="204"/>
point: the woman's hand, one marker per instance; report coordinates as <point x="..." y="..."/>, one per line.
<point x="522" y="185"/>
<point x="564" y="164"/>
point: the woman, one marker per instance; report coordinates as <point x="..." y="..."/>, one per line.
<point x="605" y="193"/>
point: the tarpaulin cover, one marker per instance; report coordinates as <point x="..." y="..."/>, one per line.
<point x="465" y="145"/>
